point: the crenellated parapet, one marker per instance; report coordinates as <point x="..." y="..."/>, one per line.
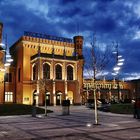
<point x="47" y="41"/>
<point x="48" y="46"/>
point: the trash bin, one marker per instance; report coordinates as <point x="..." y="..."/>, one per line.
<point x="65" y="107"/>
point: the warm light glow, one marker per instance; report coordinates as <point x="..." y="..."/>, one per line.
<point x="1" y="69"/>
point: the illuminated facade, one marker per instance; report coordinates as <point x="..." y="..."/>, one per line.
<point x="47" y="67"/>
<point x="51" y="68"/>
<point x="44" y="68"/>
<point x="108" y="90"/>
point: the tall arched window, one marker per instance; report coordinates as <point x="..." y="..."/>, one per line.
<point x="58" y="71"/>
<point x="35" y="72"/>
<point x="46" y="71"/>
<point x="69" y="73"/>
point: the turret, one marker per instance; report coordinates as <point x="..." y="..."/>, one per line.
<point x="78" y="44"/>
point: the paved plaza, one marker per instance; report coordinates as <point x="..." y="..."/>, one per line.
<point x="79" y="125"/>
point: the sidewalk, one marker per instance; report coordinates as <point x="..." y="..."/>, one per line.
<point x="79" y="125"/>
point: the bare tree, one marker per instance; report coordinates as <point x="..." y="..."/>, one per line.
<point x="96" y="62"/>
<point x="42" y="86"/>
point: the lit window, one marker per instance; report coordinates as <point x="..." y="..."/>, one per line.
<point x="8" y="96"/>
<point x="34" y="72"/>
<point x="58" y="72"/>
<point x="8" y="77"/>
<point x="46" y="71"/>
<point x="69" y="73"/>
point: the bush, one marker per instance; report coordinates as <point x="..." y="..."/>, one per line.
<point x="122" y="108"/>
<point x="18" y="109"/>
<point x="127" y="100"/>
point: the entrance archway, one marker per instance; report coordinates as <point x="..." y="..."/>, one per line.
<point x="35" y="98"/>
<point x="58" y="98"/>
<point x="47" y="98"/>
<point x="70" y="96"/>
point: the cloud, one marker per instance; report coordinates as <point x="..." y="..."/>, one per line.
<point x="111" y="20"/>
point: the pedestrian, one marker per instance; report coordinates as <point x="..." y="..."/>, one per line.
<point x="135" y="110"/>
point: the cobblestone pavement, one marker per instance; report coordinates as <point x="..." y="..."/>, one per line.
<point x="79" y="125"/>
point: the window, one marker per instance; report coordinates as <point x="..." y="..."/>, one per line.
<point x="34" y="72"/>
<point x="8" y="77"/>
<point x="18" y="74"/>
<point x="46" y="71"/>
<point x="8" y="96"/>
<point x="58" y="72"/>
<point x="69" y="73"/>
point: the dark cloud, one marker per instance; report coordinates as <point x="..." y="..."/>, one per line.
<point x="111" y="20"/>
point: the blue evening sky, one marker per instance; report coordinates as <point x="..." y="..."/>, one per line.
<point x="112" y="20"/>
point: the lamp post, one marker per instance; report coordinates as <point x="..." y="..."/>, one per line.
<point x="6" y="61"/>
<point x="116" y="69"/>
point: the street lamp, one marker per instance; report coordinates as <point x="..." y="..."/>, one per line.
<point x="116" y="69"/>
<point x="6" y="61"/>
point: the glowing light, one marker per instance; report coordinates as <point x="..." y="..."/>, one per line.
<point x="2" y="44"/>
<point x="8" y="56"/>
<point x="116" y="68"/>
<point x="121" y="60"/>
<point x="3" y="70"/>
<point x="7" y="64"/>
<point x="120" y="64"/>
<point x="89" y="125"/>
<point x="10" y="60"/>
<point x="120" y="56"/>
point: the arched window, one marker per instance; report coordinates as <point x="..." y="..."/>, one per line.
<point x="58" y="72"/>
<point x="34" y="72"/>
<point x="69" y="73"/>
<point x="46" y="71"/>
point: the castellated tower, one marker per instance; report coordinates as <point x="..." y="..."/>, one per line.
<point x="1" y="27"/>
<point x="78" y="42"/>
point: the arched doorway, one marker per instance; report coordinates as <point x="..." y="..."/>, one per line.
<point x="35" y="98"/>
<point x="47" y="98"/>
<point x="70" y="96"/>
<point x="58" y="98"/>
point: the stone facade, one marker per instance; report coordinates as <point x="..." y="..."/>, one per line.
<point x="109" y="90"/>
<point x="47" y="67"/>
